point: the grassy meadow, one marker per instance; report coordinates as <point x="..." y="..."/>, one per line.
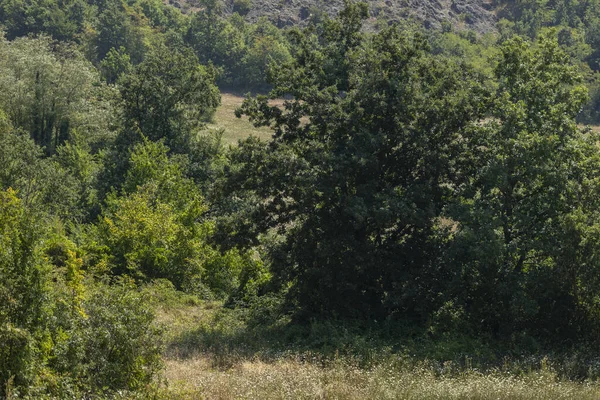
<point x="235" y="128"/>
<point x="213" y="352"/>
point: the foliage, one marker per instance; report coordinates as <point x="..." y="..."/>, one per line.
<point x="521" y="202"/>
<point x="41" y="183"/>
<point x="123" y="347"/>
<point x="51" y="91"/>
<point x="157" y="230"/>
<point x="24" y="303"/>
<point x="167" y="96"/>
<point x="63" y="20"/>
<point x="115" y="64"/>
<point x="399" y="185"/>
<point x="357" y="189"/>
<point x="56" y="327"/>
<point x="149" y="239"/>
<point x="242" y="7"/>
<point x="432" y="185"/>
<point x="241" y="51"/>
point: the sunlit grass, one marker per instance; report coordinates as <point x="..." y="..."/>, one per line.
<point x="235" y="128"/>
<point x="196" y="378"/>
<point x="210" y="357"/>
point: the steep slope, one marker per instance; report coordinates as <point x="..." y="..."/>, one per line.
<point x="475" y="15"/>
<point x="466" y="14"/>
<point x="470" y="14"/>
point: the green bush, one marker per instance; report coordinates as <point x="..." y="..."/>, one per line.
<point x="61" y="333"/>
<point x="122" y="345"/>
<point x="24" y="292"/>
<point x="242" y="7"/>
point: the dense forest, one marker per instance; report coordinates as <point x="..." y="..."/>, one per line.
<point x="425" y="192"/>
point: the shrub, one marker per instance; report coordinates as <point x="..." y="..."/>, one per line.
<point x="24" y="292"/>
<point x="122" y="345"/>
<point x="242" y="7"/>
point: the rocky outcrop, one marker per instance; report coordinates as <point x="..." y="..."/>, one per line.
<point x="475" y="15"/>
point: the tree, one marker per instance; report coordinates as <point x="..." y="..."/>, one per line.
<point x="51" y="91"/>
<point x="168" y="96"/>
<point x="24" y="292"/>
<point x="266" y="45"/>
<point x="115" y="64"/>
<point x="516" y="241"/>
<point x="216" y="41"/>
<point x="402" y="184"/>
<point x="154" y="229"/>
<point x="63" y="20"/>
<point x="41" y="183"/>
<point x="363" y="161"/>
<point x="115" y="30"/>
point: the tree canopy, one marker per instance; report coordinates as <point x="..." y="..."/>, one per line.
<point x="432" y="182"/>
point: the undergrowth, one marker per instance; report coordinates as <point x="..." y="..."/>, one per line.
<point x="218" y="352"/>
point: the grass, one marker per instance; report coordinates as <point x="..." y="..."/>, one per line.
<point x="235" y="128"/>
<point x="293" y="379"/>
<point x="217" y="353"/>
<point x="240" y="128"/>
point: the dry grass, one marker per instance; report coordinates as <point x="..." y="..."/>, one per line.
<point x="241" y="128"/>
<point x="235" y="128"/>
<point x="292" y="379"/>
<point x="196" y="370"/>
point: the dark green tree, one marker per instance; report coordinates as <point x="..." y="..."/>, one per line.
<point x="115" y="30"/>
<point x="63" y="20"/>
<point x="167" y="97"/>
<point x="520" y="234"/>
<point x="362" y="163"/>
<point x="215" y="40"/>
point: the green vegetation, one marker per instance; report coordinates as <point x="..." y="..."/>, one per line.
<point x="396" y="213"/>
<point x="222" y="353"/>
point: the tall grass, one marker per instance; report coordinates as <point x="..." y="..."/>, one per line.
<point x="219" y="353"/>
<point x="195" y="378"/>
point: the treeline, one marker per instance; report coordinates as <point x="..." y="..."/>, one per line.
<point x="116" y="35"/>
<point x="408" y="182"/>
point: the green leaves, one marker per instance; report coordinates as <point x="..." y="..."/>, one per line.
<point x="363" y="160"/>
<point x="169" y="96"/>
<point x="402" y="183"/>
<point x="50" y="92"/>
<point x="525" y="187"/>
<point x="154" y="229"/>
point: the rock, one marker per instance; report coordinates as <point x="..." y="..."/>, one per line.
<point x="476" y="15"/>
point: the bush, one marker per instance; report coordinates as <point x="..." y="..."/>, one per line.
<point x="60" y="335"/>
<point x="24" y="291"/>
<point x="122" y="345"/>
<point x="242" y="7"/>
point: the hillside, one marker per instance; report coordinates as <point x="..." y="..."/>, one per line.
<point x="476" y="15"/>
